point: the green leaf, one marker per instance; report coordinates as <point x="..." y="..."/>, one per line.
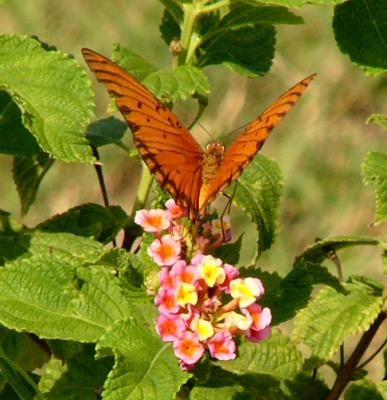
<point x="378" y="119"/>
<point x="275" y="356"/>
<point x="51" y="373"/>
<point x="170" y="86"/>
<point x="245" y="16"/>
<point x="221" y="384"/>
<point x="89" y="220"/>
<point x="83" y="379"/>
<point x="295" y="3"/>
<point x="331" y="317"/>
<point x="228" y="47"/>
<point x="28" y="172"/>
<point x="23" y="349"/>
<point x="10" y="248"/>
<point x="145" y="262"/>
<point x="169" y="28"/>
<point x="8" y="224"/>
<point x="285" y="296"/>
<point x="229" y="252"/>
<point x="130" y="277"/>
<point x="174" y="7"/>
<point x="53" y="94"/>
<point x="322" y="249"/>
<point x="220" y="391"/>
<point x="305" y="387"/>
<point x="145" y="367"/>
<point x="21" y="383"/>
<point x="258" y="194"/>
<point x="181" y="83"/>
<point x="245" y="26"/>
<point x="74" y="303"/>
<point x="296" y="289"/>
<point x="14" y="137"/>
<point x="132" y="62"/>
<point x="75" y="249"/>
<point x="106" y="131"/>
<point x="10" y="233"/>
<point x="374" y="171"/>
<point x="360" y="28"/>
<point x="363" y="390"/>
<point x="382" y="388"/>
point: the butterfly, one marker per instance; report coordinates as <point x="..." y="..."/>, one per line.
<point x="193" y="176"/>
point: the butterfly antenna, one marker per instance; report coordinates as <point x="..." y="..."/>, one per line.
<point x="206" y="130"/>
<point x="234" y="131"/>
<point x="202" y="106"/>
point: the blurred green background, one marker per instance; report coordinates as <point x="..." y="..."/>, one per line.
<point x="319" y="147"/>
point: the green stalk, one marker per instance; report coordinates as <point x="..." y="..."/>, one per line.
<point x="190" y="40"/>
<point x="144" y="189"/>
<point x="20" y="381"/>
<point x="190" y="15"/>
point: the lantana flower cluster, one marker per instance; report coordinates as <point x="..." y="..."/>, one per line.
<point x="203" y="303"/>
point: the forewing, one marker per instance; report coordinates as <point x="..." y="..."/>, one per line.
<point x="169" y="150"/>
<point x="250" y="141"/>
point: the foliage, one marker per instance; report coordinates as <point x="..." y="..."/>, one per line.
<point x="77" y="316"/>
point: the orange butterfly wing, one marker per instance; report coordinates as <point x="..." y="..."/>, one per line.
<point x="168" y="149"/>
<point x="250" y="141"/>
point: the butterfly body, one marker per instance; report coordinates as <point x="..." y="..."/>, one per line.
<point x="192" y="176"/>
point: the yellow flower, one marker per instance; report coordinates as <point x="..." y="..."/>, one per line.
<point x="235" y="320"/>
<point x="186" y="294"/>
<point x="246" y="290"/>
<point x="202" y="327"/>
<point x="211" y="270"/>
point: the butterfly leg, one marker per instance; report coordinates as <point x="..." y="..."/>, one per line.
<point x="227" y="210"/>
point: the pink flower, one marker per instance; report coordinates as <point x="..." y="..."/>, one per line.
<point x="261" y="317"/>
<point x="170" y="326"/>
<point x="221" y="346"/>
<point x="174" y="211"/>
<point x="186" y="367"/>
<point x="256" y="336"/>
<point x="188" y="348"/>
<point x="203" y="303"/>
<point x="260" y="329"/>
<point x="166" y="301"/>
<point x="166" y="280"/>
<point x="164" y="251"/>
<point x="184" y="273"/>
<point x="231" y="273"/>
<point x="197" y="260"/>
<point x="152" y="220"/>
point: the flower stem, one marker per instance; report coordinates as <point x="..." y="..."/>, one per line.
<point x="346" y="372"/>
<point x="143" y="191"/>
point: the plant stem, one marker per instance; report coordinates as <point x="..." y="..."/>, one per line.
<point x="190" y="40"/>
<point x="215" y="6"/>
<point x="143" y="191"/>
<point x="101" y="180"/>
<point x="190" y="14"/>
<point x="380" y="348"/>
<point x="349" y="367"/>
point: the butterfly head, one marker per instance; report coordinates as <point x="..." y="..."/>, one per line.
<point x="215" y="146"/>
